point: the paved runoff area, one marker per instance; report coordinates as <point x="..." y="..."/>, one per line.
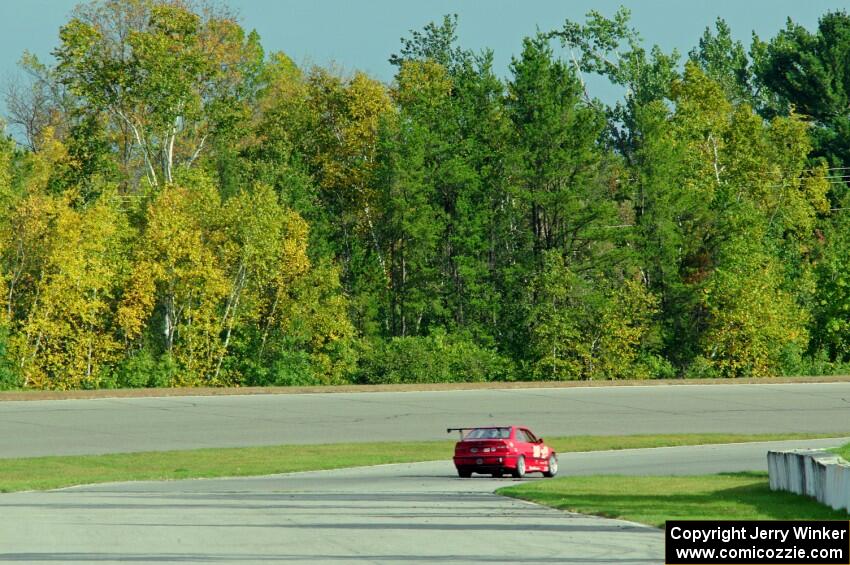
<point x="64" y="427"/>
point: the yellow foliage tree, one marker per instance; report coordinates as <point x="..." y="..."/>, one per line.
<point x="762" y="203"/>
<point x="208" y="270"/>
<point x="65" y="336"/>
<point x="176" y="269"/>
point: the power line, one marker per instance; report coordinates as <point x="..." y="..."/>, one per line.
<point x="813" y="170"/>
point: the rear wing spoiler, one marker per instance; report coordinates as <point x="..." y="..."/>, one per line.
<point x="460" y="430"/>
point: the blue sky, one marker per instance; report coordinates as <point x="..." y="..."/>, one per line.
<point x="362" y="34"/>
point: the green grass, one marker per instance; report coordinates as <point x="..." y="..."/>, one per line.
<point x="601" y="443"/>
<point x="653" y="500"/>
<point x="40" y="473"/>
<point x="843" y="451"/>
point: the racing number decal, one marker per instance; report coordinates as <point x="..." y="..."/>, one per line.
<point x="544" y="453"/>
<point x="537" y="452"/>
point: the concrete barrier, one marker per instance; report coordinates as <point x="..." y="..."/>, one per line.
<point x="811" y="472"/>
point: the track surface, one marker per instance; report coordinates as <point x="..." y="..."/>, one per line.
<point x="33" y="428"/>
<point x="387" y="514"/>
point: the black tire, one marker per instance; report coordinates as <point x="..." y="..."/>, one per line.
<point x="519" y="471"/>
<point x="464" y="473"/>
<point x="553" y="466"/>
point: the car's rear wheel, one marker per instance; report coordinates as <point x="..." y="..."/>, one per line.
<point x="553" y="466"/>
<point x="464" y="473"/>
<point x="519" y="471"/>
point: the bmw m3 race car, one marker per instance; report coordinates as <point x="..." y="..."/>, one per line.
<point x="497" y="450"/>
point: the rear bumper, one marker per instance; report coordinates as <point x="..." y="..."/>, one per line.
<point x="485" y="463"/>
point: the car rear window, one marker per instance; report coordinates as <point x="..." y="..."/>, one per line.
<point x="489" y="433"/>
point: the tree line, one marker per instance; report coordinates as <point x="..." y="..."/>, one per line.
<point x="179" y="208"/>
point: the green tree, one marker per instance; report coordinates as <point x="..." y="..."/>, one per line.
<point x="112" y="55"/>
<point x="584" y="313"/>
<point x="753" y="324"/>
<point x="436" y="43"/>
<point x="611" y="48"/>
<point x="282" y="307"/>
<point x="410" y="230"/>
<point x="758" y="207"/>
<point x="831" y="308"/>
<point x="560" y="167"/>
<point x="808" y="72"/>
<point x="586" y="329"/>
<point x="316" y="141"/>
<point x="455" y="99"/>
<point x="725" y="61"/>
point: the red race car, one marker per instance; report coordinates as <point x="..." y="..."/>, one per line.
<point x="497" y="450"/>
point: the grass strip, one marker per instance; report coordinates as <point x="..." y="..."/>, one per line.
<point x="602" y="443"/>
<point x="843" y="451"/>
<point x="653" y="500"/>
<point x="41" y="473"/>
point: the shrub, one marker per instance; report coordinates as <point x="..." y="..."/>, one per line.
<point x="145" y="369"/>
<point x="9" y="377"/>
<point x="430" y="359"/>
<point x="653" y="366"/>
<point x="701" y="368"/>
<point x="816" y="365"/>
<point x="292" y="368"/>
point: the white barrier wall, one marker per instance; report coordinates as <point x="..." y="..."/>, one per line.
<point x="812" y="472"/>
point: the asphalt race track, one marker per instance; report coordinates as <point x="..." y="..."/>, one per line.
<point x="414" y="513"/>
<point x="33" y="428"/>
<point x="387" y="514"/>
